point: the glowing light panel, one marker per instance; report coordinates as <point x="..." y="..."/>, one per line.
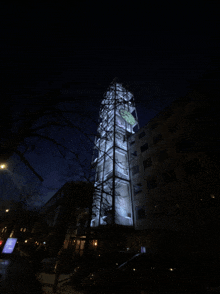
<point x="9" y="245"/>
<point x="127" y="116"/>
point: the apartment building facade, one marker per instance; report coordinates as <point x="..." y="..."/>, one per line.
<point x="174" y="176"/>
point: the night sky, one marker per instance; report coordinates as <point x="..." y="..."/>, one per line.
<point x="74" y="52"/>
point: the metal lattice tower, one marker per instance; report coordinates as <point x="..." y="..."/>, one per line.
<point x="112" y="203"/>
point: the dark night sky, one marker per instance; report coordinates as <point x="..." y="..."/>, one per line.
<point x="79" y="49"/>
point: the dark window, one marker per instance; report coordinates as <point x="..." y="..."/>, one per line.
<point x="152" y="183"/>
<point x="167" y="114"/>
<point x="157" y="138"/>
<point x="147" y="162"/>
<point x="173" y="128"/>
<point x="185" y="145"/>
<point x="107" y="212"/>
<point x="169" y="176"/>
<point x="134" y="153"/>
<point x="141" y="135"/>
<point x="137" y="188"/>
<point x="163" y="155"/>
<point x="154" y="126"/>
<point x="192" y="167"/>
<point x="132" y="143"/>
<point x="144" y="147"/>
<point x="199" y="114"/>
<point x="140" y="212"/>
<point x="135" y="170"/>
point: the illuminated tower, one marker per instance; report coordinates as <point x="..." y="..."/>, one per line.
<point x="112" y="203"/>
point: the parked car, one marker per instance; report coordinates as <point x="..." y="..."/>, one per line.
<point x="156" y="273"/>
<point x="98" y="263"/>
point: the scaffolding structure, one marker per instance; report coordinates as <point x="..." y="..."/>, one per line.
<point x="112" y="202"/>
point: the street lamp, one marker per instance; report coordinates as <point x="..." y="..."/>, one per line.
<point x="2" y="166"/>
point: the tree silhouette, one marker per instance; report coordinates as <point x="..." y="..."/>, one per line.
<point x="22" y="134"/>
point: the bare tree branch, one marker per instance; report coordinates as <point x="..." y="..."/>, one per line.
<point x="26" y="162"/>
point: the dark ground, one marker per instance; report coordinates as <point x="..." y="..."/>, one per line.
<point x="20" y="277"/>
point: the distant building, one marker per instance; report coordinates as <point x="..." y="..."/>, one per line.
<point x="54" y="208"/>
<point x="69" y="210"/>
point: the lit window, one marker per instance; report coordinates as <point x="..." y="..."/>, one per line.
<point x="24" y="230"/>
<point x="143" y="249"/>
<point x="21" y="229"/>
<point x="95" y="243"/>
